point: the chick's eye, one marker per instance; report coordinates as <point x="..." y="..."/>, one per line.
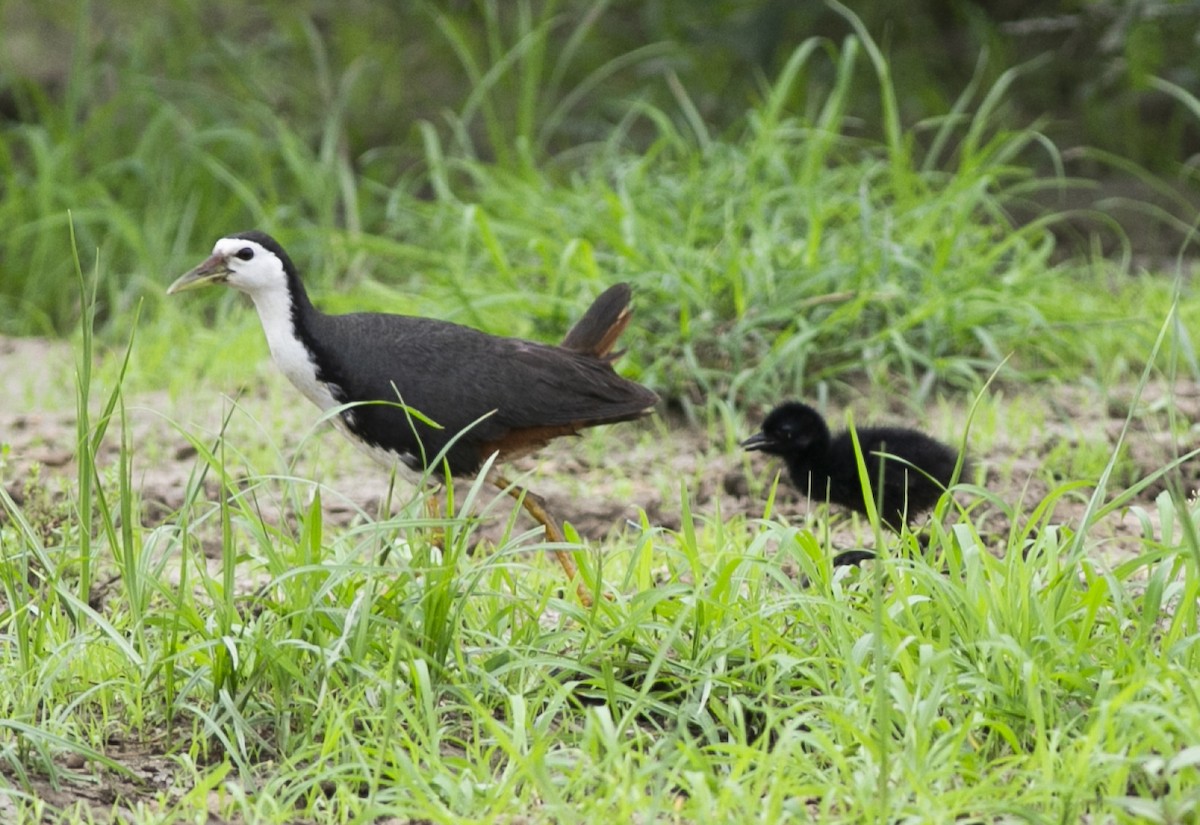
<point x="245" y="253"/>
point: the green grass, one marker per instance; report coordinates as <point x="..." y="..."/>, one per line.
<point x="342" y="674"/>
<point x="349" y="673"/>
<point x="263" y="663"/>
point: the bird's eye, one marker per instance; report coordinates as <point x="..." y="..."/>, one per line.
<point x="245" y="253"/>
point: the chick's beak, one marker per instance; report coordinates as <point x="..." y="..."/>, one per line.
<point x="214" y="270"/>
<point x="758" y="441"/>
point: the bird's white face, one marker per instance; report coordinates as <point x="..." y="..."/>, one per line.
<point x="243" y="264"/>
<point x="255" y="264"/>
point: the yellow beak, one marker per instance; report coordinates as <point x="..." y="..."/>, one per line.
<point x="214" y="270"/>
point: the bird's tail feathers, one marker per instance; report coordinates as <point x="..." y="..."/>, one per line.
<point x="596" y="333"/>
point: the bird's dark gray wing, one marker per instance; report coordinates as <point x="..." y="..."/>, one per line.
<point x="455" y="375"/>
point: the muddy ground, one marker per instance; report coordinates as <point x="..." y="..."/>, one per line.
<point x="597" y="483"/>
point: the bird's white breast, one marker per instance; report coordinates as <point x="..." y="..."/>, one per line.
<point x="294" y="361"/>
<point x="275" y="311"/>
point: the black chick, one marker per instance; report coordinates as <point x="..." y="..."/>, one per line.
<point x="915" y="473"/>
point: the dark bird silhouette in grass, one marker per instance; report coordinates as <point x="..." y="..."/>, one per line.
<point x="907" y="469"/>
<point x="488" y="395"/>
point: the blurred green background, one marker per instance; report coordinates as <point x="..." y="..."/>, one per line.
<point x="1089" y="76"/>
<point x="909" y="191"/>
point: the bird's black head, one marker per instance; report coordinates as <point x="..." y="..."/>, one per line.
<point x="789" y="429"/>
<point x="252" y="262"/>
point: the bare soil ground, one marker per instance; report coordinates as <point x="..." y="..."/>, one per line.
<point x="596" y="483"/>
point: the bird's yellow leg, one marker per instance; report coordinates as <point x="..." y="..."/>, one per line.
<point x="535" y="506"/>
<point x="433" y="512"/>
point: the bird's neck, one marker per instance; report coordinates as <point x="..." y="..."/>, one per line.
<point x="286" y="316"/>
